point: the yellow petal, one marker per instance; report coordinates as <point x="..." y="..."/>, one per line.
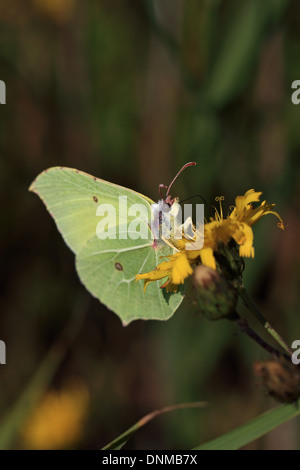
<point x="151" y="275"/>
<point x="166" y="265"/>
<point x="246" y="250"/>
<point x="252" y="196"/>
<point x="192" y="255"/>
<point x="181" y="269"/>
<point x="207" y="257"/>
<point x="244" y="237"/>
<point x="243" y="205"/>
<point x="154" y="275"/>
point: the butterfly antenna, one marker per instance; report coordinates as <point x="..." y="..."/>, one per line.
<point x="201" y="197"/>
<point x="180" y="171"/>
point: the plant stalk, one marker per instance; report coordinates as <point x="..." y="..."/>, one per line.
<point x="256" y="312"/>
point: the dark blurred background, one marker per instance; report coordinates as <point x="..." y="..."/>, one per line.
<point x="129" y="91"/>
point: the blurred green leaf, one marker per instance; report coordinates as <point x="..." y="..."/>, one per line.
<point x="240" y="49"/>
<point x="278" y="8"/>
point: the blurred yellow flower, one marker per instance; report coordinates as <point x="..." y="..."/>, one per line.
<point x="57" y="421"/>
<point x="58" y="10"/>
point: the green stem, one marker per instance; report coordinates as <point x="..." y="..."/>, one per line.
<point x="256" y="312"/>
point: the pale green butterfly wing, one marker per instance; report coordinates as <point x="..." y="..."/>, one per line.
<point x="107" y="267"/>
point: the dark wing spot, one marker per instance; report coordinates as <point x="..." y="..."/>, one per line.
<point x="118" y="266"/>
<point x="76" y="171"/>
<point x="94" y="178"/>
<point x="95" y="198"/>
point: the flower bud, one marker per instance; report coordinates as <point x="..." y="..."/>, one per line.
<point x="280" y="377"/>
<point x="229" y="260"/>
<point x="215" y="296"/>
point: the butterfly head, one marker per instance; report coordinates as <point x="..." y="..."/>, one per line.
<point x="167" y="206"/>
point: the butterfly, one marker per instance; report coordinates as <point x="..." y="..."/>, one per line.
<point x="97" y="221"/>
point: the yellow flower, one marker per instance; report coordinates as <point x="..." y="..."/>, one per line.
<point x="237" y="225"/>
<point x="57" y="422"/>
<point x="219" y="230"/>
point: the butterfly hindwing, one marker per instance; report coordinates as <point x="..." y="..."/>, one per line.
<point x="109" y="274"/>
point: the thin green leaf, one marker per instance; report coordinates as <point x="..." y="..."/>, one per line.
<point x="254" y="429"/>
<point x="121" y="440"/>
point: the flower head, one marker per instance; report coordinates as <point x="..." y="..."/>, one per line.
<point x="237" y="225"/>
<point x="218" y="231"/>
